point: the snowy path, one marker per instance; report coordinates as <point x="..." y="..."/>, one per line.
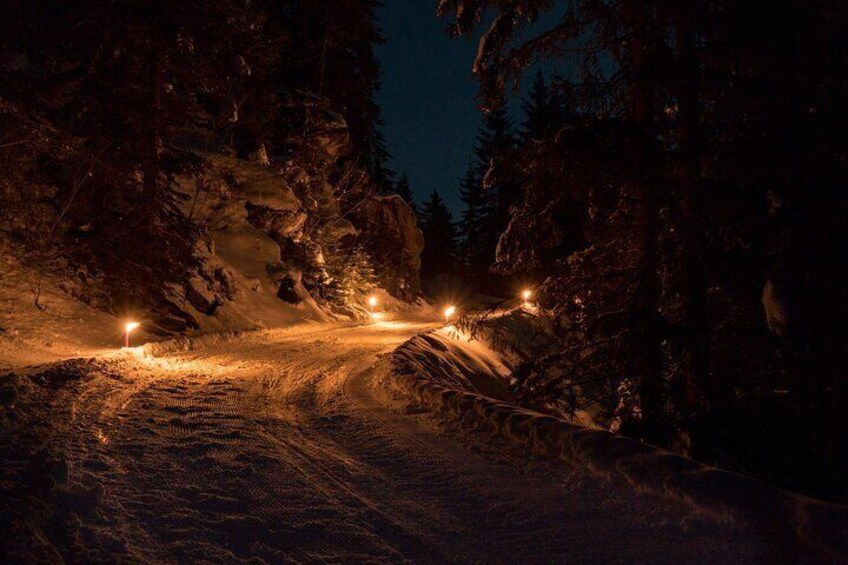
<point x="278" y="446"/>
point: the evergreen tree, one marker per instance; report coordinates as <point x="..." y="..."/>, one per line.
<point x="334" y="57"/>
<point x="351" y="273"/>
<point x="539" y="110"/>
<point x="115" y="88"/>
<point x="403" y="189"/>
<point x="474" y="222"/>
<point x="439" y="256"/>
<point x="494" y="138"/>
<point x="708" y="115"/>
<point x="487" y="191"/>
<point x="589" y="27"/>
<point x="375" y="157"/>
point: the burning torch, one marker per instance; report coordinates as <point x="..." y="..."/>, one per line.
<point x="127" y="329"/>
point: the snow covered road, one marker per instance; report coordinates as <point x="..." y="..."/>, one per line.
<point x="281" y="447"/>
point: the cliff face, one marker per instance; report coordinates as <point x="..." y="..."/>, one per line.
<point x="277" y="242"/>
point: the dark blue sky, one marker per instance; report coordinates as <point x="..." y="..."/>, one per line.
<point x="428" y="98"/>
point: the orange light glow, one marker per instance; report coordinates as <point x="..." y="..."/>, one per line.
<point x="449" y="311"/>
<point x="127" y="329"/>
<point x="526" y="295"/>
<point x="372" y="301"/>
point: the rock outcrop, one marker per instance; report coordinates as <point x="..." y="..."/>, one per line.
<point x="270" y="220"/>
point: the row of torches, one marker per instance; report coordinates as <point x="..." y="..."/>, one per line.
<point x="448" y="312"/>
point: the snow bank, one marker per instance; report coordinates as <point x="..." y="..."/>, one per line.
<point x="453" y="360"/>
<point x="446" y="371"/>
<point x="60" y="326"/>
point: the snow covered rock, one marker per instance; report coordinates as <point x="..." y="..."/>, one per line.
<point x="201" y="296"/>
<point x="328" y="130"/>
<point x="275" y="222"/>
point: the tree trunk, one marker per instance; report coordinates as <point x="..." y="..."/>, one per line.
<point x="696" y="366"/>
<point x="154" y="136"/>
<point x="644" y="316"/>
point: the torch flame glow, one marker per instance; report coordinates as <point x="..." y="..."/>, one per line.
<point x="449" y="311"/>
<point x="372" y="301"/>
<point x="127" y="329"/>
<point x="526" y="294"/>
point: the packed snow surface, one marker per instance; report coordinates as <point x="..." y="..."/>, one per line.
<point x="284" y="446"/>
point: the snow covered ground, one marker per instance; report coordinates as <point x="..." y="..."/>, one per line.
<point x="286" y="446"/>
<point x="59" y="328"/>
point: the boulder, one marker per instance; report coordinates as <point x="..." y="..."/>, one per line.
<point x="291" y="288"/>
<point x="332" y="134"/>
<point x="200" y="296"/>
<point x="275" y="222"/>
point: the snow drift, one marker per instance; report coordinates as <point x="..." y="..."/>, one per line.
<point x="453" y="373"/>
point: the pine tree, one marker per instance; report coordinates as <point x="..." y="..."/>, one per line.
<point x="334" y="57"/>
<point x="117" y="89"/>
<point x="539" y="110"/>
<point x="403" y="189"/>
<point x="500" y="60"/>
<point x="473" y="222"/>
<point x="351" y="274"/>
<point x="494" y="138"/>
<point x="657" y="233"/>
<point x="486" y="191"/>
<point x="439" y="256"/>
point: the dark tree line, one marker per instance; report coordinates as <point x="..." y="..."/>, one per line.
<point x="490" y="186"/>
<point x="440" y="238"/>
<point x="684" y="214"/>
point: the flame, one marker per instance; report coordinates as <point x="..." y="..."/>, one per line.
<point x="449" y="311"/>
<point x="372" y="301"/>
<point x="131" y="326"/>
<point x="526" y="294"/>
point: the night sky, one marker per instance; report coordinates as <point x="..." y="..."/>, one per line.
<point x="428" y="98"/>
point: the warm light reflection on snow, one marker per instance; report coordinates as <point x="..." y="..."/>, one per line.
<point x="101" y="437"/>
<point x="209" y="357"/>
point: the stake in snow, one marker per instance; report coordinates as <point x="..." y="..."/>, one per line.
<point x="372" y="304"/>
<point x="127" y="330"/>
